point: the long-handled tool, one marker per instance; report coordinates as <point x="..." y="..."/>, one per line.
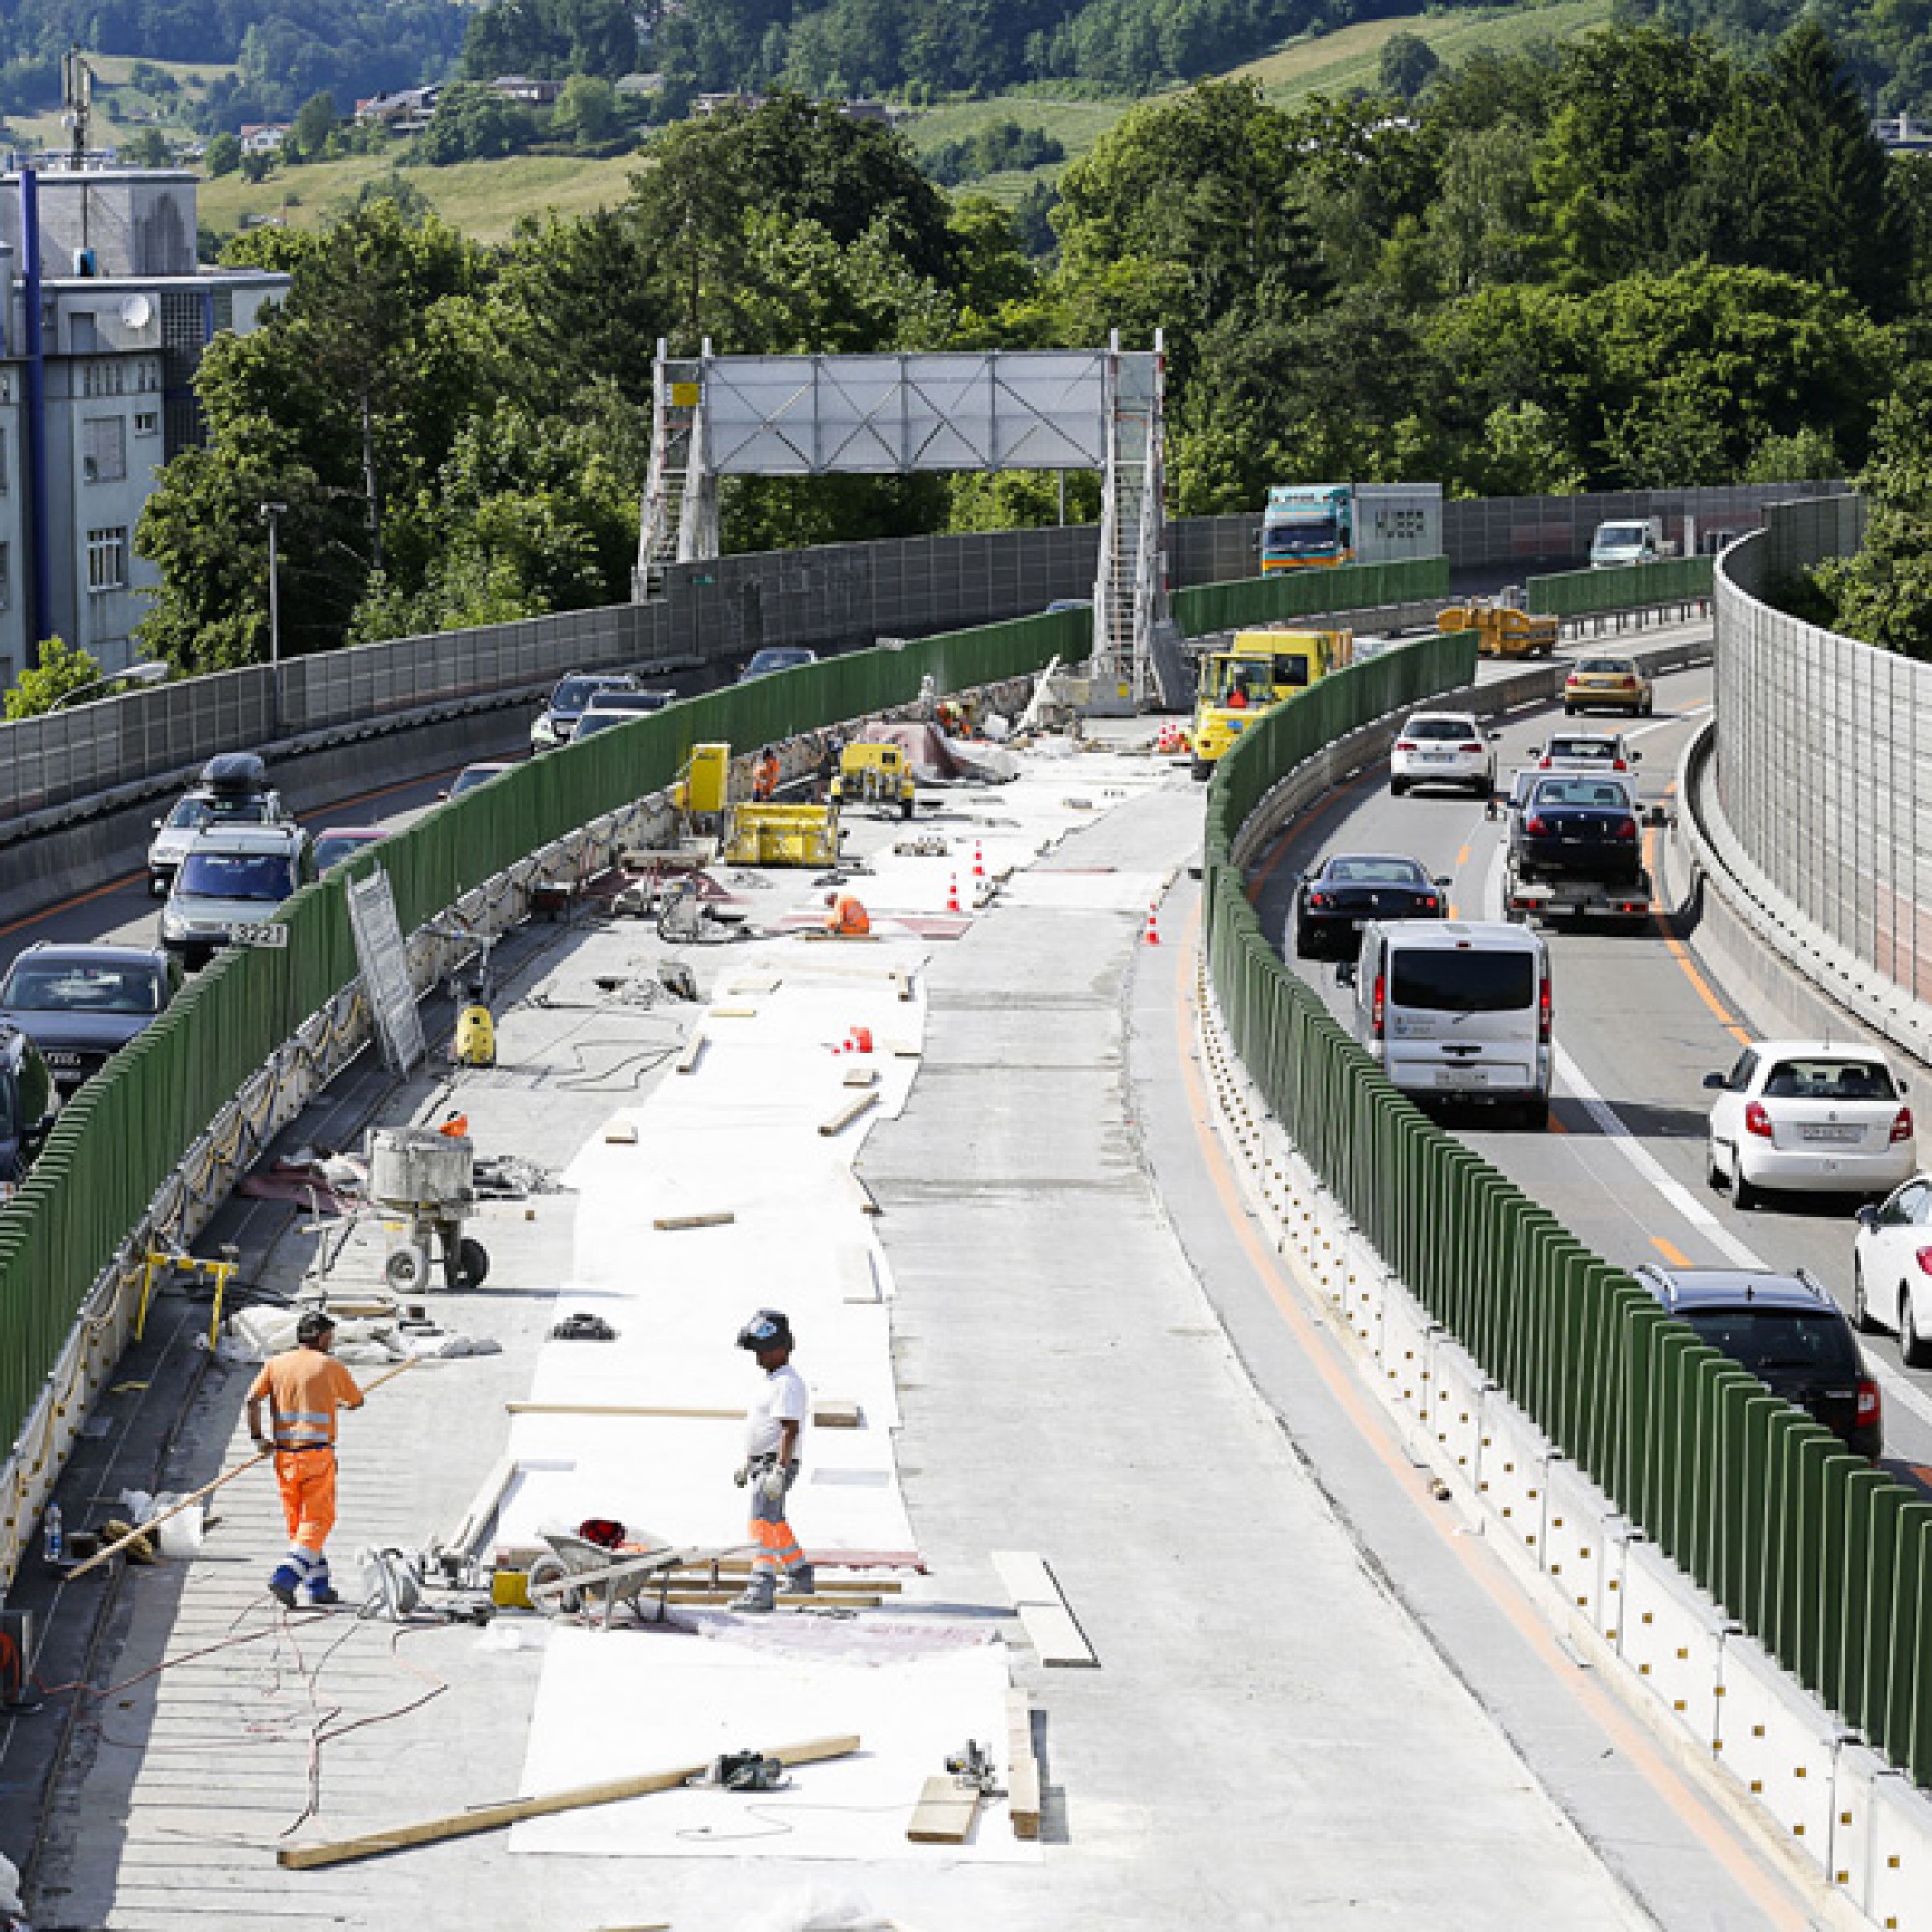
<point x="195" y="1496"/>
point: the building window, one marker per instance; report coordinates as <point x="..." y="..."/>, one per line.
<point x="147" y="422"/>
<point x="6" y="577"/>
<point x="107" y="560"/>
<point x="5" y="485"/>
<point x="104" y="449"/>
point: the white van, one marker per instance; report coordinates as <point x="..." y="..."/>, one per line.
<point x="1459" y="1008"/>
<point x="1628" y="540"/>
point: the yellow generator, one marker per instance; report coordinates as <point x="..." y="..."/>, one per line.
<point x="704" y="789"/>
<point x="1502" y="630"/>
<point x="874" y="775"/>
<point x="764" y="833"/>
<point x="1259" y="669"/>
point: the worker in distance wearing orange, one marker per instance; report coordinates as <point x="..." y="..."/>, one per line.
<point x="847" y="918"/>
<point x="765" y="774"/>
<point x="303" y="1387"/>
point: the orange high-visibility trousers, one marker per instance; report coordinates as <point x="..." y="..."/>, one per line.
<point x="849" y="919"/>
<point x="306" y="1478"/>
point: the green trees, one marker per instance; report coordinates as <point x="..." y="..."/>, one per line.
<point x="473" y="122"/>
<point x="1408" y="64"/>
<point x="223" y="155"/>
<point x="62" y="669"/>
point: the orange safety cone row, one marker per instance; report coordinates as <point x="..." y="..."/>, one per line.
<point x="1153" y="933"/>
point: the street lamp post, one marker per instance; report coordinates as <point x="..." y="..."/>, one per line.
<point x="272" y="515"/>
<point x="149" y="670"/>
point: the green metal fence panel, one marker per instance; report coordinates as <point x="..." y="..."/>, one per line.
<point x="1632" y="586"/>
<point x="1308" y="593"/>
<point x="1826" y="1561"/>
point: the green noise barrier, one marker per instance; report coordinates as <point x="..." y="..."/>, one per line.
<point x="120" y="1138"/>
<point x="1826" y="1560"/>
<point x="1631" y="586"/>
<point x="1308" y="593"/>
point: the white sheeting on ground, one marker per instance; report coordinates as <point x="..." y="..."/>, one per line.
<point x="612" y="1706"/>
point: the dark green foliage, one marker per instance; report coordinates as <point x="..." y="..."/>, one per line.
<point x="551" y="39"/>
<point x="994" y="149"/>
<point x="473" y="122"/>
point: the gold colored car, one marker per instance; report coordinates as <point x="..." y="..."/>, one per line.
<point x="1606" y="684"/>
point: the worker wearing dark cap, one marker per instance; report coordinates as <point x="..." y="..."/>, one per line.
<point x="774" y="1425"/>
<point x="304" y="1388"/>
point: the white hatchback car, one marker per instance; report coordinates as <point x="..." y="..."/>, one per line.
<point x="1891" y="1269"/>
<point x="1812" y="1116"/>
<point x="1586" y="752"/>
<point x="1445" y="748"/>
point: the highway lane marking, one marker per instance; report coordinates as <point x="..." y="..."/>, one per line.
<point x="1670" y="1252"/>
<point x="1680" y="954"/>
<point x="1664" y="724"/>
<point x="1722" y="1838"/>
<point x="68" y="906"/>
<point x="1295" y="827"/>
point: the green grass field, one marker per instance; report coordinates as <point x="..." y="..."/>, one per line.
<point x="486" y="198"/>
<point x="483" y="198"/>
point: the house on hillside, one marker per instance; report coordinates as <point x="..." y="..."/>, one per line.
<point x="405" y="111"/>
<point x="1901" y="134"/>
<point x="126" y="313"/>
<point x="531" y="93"/>
<point x="263" y="137"/>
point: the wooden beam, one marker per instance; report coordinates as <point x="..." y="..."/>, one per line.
<point x="1022" y="1766"/>
<point x="694" y="1052"/>
<point x="514" y="1810"/>
<point x="945" y="1812"/>
<point x="849" y="1113"/>
<point x="721" y="1217"/>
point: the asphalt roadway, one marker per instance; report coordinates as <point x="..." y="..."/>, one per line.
<point x="1640" y="1019"/>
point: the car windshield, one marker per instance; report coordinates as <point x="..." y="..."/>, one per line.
<point x="81" y="986"/>
<point x="1774" y="1340"/>
<point x="332" y="851"/>
<point x="1300" y="535"/>
<point x="472" y="775"/>
<point x="1583" y="751"/>
<point x="1830" y="1080"/>
<point x="594" y="721"/>
<point x="1439" y="727"/>
<point x="266" y="878"/>
<point x="1592" y="793"/>
<point x="1617" y="536"/>
<point x="574" y="692"/>
<point x="1609" y="666"/>
<point x="223" y="807"/>
<point x="776" y="659"/>
<point x="1455" y="981"/>
<point x="1378" y="871"/>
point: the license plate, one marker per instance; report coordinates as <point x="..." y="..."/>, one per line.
<point x="1437" y="757"/>
<point x="1461" y="1077"/>
<point x="1835" y="1136"/>
<point x="273" y="937"/>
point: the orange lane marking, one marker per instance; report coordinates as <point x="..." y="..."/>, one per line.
<point x="1320" y="808"/>
<point x="1556" y="1126"/>
<point x="1670" y="1252"/>
<point x="1462" y="857"/>
<point x="1922" y="1471"/>
<point x="64" y="905"/>
<point x="1680" y="954"/>
<point x="1625" y="1733"/>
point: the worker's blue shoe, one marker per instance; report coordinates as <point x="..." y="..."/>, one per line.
<point x="754" y="1604"/>
<point x="324" y="1597"/>
<point x="282" y="1586"/>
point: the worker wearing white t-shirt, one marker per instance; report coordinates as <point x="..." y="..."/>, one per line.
<point x="774" y="1427"/>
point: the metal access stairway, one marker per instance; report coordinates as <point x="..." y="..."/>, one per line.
<point x="1130" y="590"/>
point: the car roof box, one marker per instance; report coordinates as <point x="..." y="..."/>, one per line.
<point x="235" y="771"/>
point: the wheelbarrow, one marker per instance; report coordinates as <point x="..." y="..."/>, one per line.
<point x="427" y="1179"/>
<point x="580" y="1577"/>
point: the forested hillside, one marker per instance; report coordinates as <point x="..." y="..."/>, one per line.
<point x="1627" y="261"/>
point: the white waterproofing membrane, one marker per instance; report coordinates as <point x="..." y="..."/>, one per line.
<point x="665" y="1700"/>
<point x="741" y="1135"/>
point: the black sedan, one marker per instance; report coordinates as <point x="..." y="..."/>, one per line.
<point x="1348" y="889"/>
<point x="80" y="1003"/>
<point x="1587" y="827"/>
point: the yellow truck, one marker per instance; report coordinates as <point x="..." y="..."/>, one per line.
<point x="1259" y="669"/>
<point x="876" y="775"/>
<point x="1502" y="630"/>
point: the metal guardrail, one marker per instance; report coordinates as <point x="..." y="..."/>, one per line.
<point x="1826" y="1561"/>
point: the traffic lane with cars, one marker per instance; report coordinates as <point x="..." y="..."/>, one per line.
<point x="1638" y="1025"/>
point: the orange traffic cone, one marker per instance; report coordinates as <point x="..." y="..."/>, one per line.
<point x="952" y="895"/>
<point x="1153" y="933"/>
<point x="978" y="861"/>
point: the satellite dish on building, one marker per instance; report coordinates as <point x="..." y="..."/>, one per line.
<point x="137" y="311"/>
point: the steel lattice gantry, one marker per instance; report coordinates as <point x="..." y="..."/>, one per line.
<point x="890" y="415"/>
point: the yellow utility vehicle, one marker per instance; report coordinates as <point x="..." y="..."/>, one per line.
<point x="1257" y="670"/>
<point x="1502" y="631"/>
<point x="874" y="775"/>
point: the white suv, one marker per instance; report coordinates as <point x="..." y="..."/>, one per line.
<point x="1445" y="748"/>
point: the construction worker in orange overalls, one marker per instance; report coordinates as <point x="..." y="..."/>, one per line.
<point x="456" y="1125"/>
<point x="765" y="774"/>
<point x="847" y="919"/>
<point x="303" y="1387"/>
<point x="774" y="1425"/>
